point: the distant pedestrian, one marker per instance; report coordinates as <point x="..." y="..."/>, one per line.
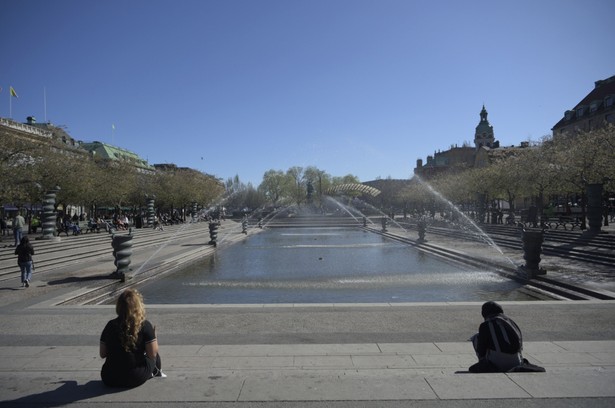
<point x="24" y="252"/>
<point x="19" y="223"/>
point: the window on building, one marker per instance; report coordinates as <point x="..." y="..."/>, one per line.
<point x="580" y="111"/>
<point x="568" y="115"/>
<point x="610" y="118"/>
<point x="608" y="101"/>
<point x="594" y="106"/>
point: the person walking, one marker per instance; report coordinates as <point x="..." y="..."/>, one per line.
<point x="24" y="252"/>
<point x="18" y="224"/>
<point x="128" y="344"/>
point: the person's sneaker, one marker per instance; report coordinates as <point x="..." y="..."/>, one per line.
<point x="27" y="284"/>
<point x="159" y="373"/>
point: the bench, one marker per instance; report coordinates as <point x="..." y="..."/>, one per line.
<point x="563" y="221"/>
<point x="92" y="227"/>
<point x="62" y="229"/>
<point x="75" y="229"/>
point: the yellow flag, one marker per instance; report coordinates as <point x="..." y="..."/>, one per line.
<point x="13" y="93"/>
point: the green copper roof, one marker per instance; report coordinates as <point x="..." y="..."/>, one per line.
<point x="106" y="151"/>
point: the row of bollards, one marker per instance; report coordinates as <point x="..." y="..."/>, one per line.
<point x="122" y="249"/>
<point x="532" y="246"/>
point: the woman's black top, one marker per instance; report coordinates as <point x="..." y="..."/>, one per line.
<point x="24" y="252"/>
<point x="126" y="368"/>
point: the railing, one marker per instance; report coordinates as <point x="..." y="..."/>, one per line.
<point x="24" y="128"/>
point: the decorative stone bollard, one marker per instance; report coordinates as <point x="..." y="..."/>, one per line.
<point x="532" y="248"/>
<point x="384" y="224"/>
<point x="594" y="207"/>
<point x="122" y="251"/>
<point x="244" y="226"/>
<point x="49" y="215"/>
<point x="260" y="222"/>
<point x="213" y="234"/>
<point x="150" y="212"/>
<point x="421" y="226"/>
<point x="194" y="214"/>
<point x="364" y="222"/>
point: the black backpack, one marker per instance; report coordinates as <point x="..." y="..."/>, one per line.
<point x="505" y="334"/>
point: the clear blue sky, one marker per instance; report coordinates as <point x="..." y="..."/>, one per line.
<point x="359" y="87"/>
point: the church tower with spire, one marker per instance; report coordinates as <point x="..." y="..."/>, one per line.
<point x="484" y="132"/>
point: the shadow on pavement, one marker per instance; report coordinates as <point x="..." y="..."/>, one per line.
<point x="76" y="279"/>
<point x="68" y="392"/>
<point x="12" y="289"/>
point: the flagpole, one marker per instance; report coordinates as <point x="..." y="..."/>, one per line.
<point x="45" y="101"/>
<point x="10" y="105"/>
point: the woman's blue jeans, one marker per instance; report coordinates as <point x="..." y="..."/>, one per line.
<point x="26" y="271"/>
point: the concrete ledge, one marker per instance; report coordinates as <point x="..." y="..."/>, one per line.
<point x="310" y="372"/>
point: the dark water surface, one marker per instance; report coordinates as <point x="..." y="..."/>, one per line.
<point x="326" y="265"/>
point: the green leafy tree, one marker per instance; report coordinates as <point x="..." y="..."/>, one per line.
<point x="296" y="179"/>
<point x="19" y="180"/>
<point x="274" y="186"/>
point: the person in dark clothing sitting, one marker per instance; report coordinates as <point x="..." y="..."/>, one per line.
<point x="129" y="344"/>
<point x="498" y="343"/>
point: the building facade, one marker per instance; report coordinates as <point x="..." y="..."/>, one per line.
<point x="483" y="136"/>
<point x="594" y="111"/>
<point x="460" y="157"/>
<point x="114" y="153"/>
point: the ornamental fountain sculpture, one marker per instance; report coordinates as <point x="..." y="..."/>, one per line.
<point x="244" y="225"/>
<point x="384" y="224"/>
<point x="213" y="233"/>
<point x="50" y="215"/>
<point x="150" y="211"/>
<point x="421" y="227"/>
<point x="532" y="248"/>
<point x="122" y="251"/>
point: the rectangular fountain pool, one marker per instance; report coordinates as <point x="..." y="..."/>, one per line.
<point x="327" y="265"/>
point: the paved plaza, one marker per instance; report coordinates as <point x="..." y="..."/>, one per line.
<point x="285" y="355"/>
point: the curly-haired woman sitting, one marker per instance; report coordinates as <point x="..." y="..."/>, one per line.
<point x="129" y="344"/>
